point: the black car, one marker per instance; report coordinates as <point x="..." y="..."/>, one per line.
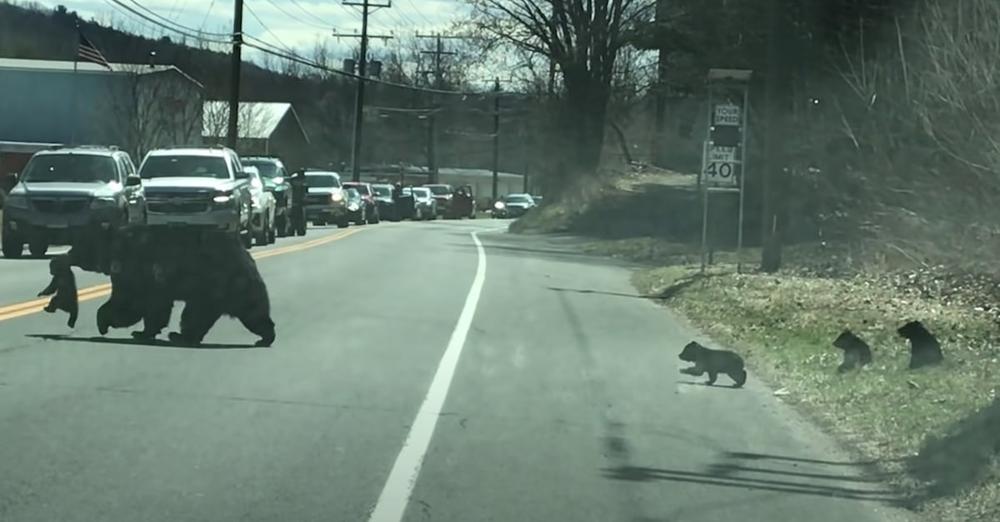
<point x="276" y="181"/>
<point x="443" y="195"/>
<point x="382" y="194"/>
<point x="513" y="205"/>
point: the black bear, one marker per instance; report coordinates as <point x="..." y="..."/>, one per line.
<point x="925" y="350"/>
<point x="213" y="275"/>
<point x="714" y="362"/>
<point x="857" y="353"/>
<point x="63" y="285"/>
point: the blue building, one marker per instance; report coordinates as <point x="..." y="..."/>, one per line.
<point x="135" y="107"/>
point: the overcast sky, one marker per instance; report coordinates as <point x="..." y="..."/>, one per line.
<point x="298" y="24"/>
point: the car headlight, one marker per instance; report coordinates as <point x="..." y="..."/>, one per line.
<point x="16" y="202"/>
<point x="499" y="205"/>
<point x="337" y="196"/>
<point x="222" y="199"/>
<point x="104" y="202"/>
<point x="353" y="207"/>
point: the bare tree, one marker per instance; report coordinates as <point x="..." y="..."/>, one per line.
<point x="216" y="119"/>
<point x="583" y="37"/>
<point x="153" y="107"/>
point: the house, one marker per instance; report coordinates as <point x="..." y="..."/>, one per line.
<point x="265" y="128"/>
<point x="133" y="106"/>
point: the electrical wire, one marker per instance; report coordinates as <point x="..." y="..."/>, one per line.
<point x="205" y="19"/>
<point x="169" y="21"/>
<point x="420" y="13"/>
<point x="265" y="48"/>
<point x="309" y="13"/>
<point x="276" y="5"/>
<point x="266" y="29"/>
<point x="157" y="23"/>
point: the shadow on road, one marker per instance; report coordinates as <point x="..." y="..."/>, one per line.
<point x="765" y="456"/>
<point x="666" y="294"/>
<point x="137" y="342"/>
<point x="962" y="458"/>
<point x="726" y="478"/>
<point x="703" y="383"/>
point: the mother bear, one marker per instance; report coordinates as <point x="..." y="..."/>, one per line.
<point x="212" y="274"/>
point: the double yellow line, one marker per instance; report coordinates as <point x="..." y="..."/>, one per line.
<point x="93" y="292"/>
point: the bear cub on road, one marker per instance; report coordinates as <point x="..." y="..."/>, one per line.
<point x="63" y="285"/>
<point x="713" y="362"/>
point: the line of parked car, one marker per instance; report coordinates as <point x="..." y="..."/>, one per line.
<point x="64" y="192"/>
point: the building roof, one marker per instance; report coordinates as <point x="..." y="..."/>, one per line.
<point x="265" y="116"/>
<point x="88" y="67"/>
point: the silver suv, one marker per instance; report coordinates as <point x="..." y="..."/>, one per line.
<point x="205" y="188"/>
<point x="66" y="193"/>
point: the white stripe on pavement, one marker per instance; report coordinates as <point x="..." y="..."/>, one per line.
<point x="399" y="486"/>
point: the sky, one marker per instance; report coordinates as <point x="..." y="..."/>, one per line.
<point x="296" y="24"/>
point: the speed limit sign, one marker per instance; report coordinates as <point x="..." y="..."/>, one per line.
<point x="720" y="166"/>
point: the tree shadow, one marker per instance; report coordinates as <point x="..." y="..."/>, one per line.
<point x="130" y="341"/>
<point x="666" y="294"/>
<point x="765" y="456"/>
<point x="960" y="459"/>
<point x="779" y="481"/>
<point x="705" y="384"/>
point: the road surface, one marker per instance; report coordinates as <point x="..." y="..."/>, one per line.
<point x="439" y="371"/>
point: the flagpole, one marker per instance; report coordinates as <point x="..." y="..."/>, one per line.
<point x="76" y="88"/>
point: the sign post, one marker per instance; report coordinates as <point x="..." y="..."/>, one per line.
<point x="724" y="153"/>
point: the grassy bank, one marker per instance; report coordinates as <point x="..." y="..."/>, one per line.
<point x="934" y="431"/>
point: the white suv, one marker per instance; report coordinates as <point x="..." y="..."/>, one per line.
<point x="198" y="188"/>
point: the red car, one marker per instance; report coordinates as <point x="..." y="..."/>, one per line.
<point x="368" y="196"/>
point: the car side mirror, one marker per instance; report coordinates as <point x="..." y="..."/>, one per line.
<point x="133" y="181"/>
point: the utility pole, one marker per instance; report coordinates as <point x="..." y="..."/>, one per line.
<point x="771" y="240"/>
<point x="232" y="133"/>
<point x="359" y="101"/>
<point x="660" y="93"/>
<point x="496" y="137"/>
<point x="438" y="52"/>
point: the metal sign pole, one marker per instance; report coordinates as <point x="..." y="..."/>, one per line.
<point x="743" y="177"/>
<point x="704" y="208"/>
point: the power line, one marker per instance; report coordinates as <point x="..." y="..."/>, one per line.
<point x="207" y="14"/>
<point x="168" y="21"/>
<point x="157" y="23"/>
<point x="308" y="13"/>
<point x="303" y="61"/>
<point x="419" y="12"/>
<point x="264" y="26"/>
<point x="297" y="18"/>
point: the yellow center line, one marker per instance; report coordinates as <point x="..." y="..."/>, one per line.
<point x="93" y="292"/>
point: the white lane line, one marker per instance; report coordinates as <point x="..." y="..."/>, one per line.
<point x="399" y="486"/>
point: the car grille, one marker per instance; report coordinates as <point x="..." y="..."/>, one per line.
<point x="177" y="204"/>
<point x="59" y="206"/>
<point x="319" y="199"/>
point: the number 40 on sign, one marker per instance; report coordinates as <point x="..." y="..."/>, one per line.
<point x="720" y="165"/>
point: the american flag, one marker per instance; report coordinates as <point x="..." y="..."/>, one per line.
<point x="89" y="53"/>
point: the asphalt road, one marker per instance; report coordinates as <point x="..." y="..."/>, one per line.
<point x="416" y="376"/>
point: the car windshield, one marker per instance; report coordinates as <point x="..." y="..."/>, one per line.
<point x="187" y="166"/>
<point x="322" y="181"/>
<point x="382" y="190"/>
<point x="517" y="199"/>
<point x="70" y="168"/>
<point x="440" y="190"/>
<point x="266" y="168"/>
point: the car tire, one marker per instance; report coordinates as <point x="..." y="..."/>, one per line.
<point x="12" y="247"/>
<point x="375" y="220"/>
<point x="344" y="222"/>
<point x="38" y="247"/>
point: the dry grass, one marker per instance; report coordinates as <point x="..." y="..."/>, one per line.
<point x="784" y="326"/>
